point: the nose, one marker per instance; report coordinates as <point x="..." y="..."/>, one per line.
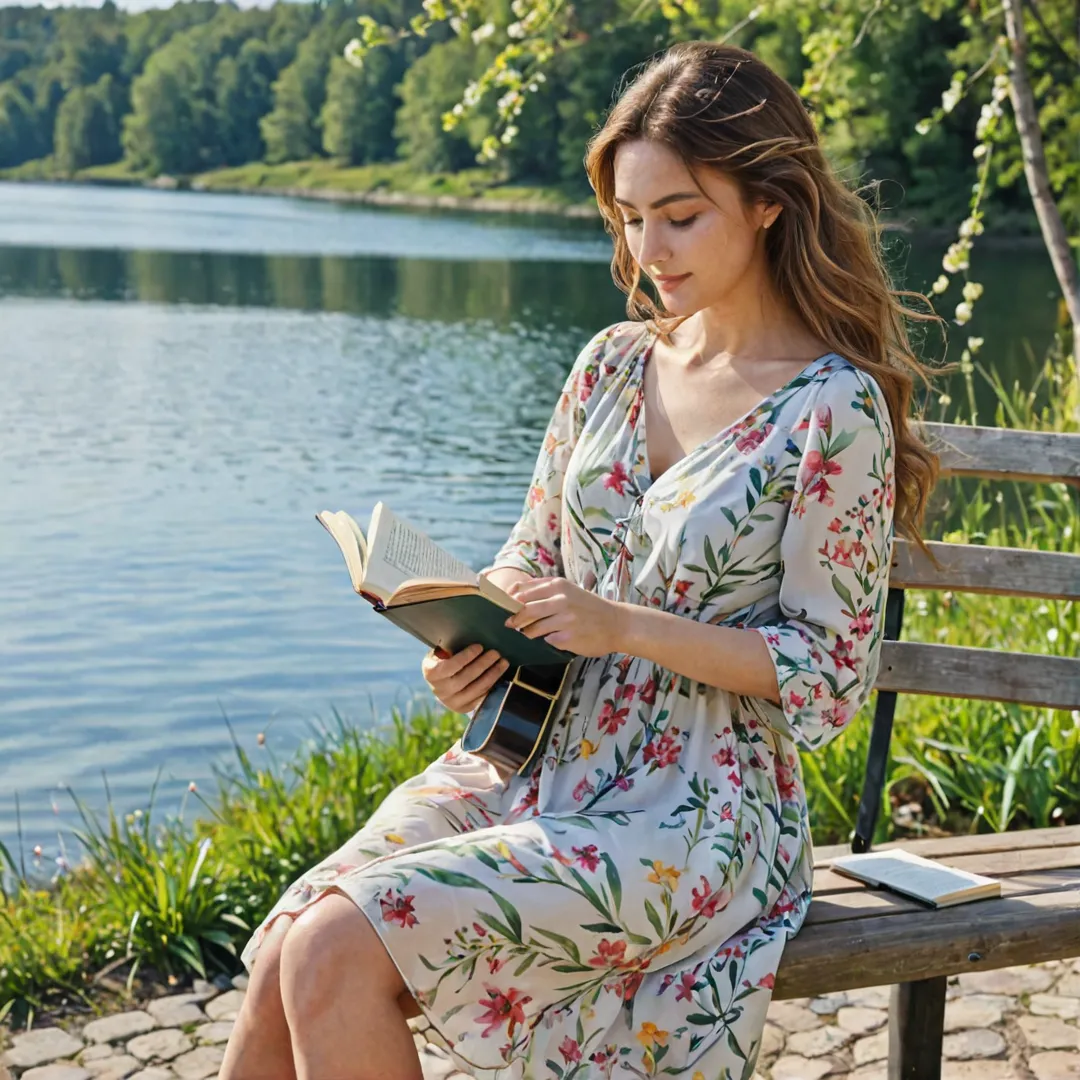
<point x="654" y="249"/>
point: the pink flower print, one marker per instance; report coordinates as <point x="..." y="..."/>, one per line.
<point x="558" y="856"/>
<point x="836" y="525"/>
<point x="767" y="981"/>
<point x="586" y="382"/>
<point x="705" y="904"/>
<point x="664" y="751"/>
<point x="681" y="587"/>
<point x="735" y="778"/>
<point x="842" y="655"/>
<point x="635" y="410"/>
<point x="570" y="1050"/>
<point x="611" y="719"/>
<point x="550" y="442"/>
<point x="587" y="856"/>
<point x="837" y="716"/>
<point x="862" y="624"/>
<point x="772" y="637"/>
<point x="625" y="691"/>
<point x="648" y="692"/>
<point x="584" y="788"/>
<point x="480" y="930"/>
<point x="751" y="439"/>
<point x="608" y="954"/>
<point x="623" y="783"/>
<point x="544" y="556"/>
<point x="841" y="555"/>
<point x="617" y="478"/>
<point x="724" y="756"/>
<point x="398" y="909"/>
<point x="627" y="987"/>
<point x="501" y="1008"/>
<point x="813" y="476"/>
<point x="535" y="496"/>
<point x="494" y="963"/>
<point x="785" y="781"/>
<point x="624" y="665"/>
<point x="725" y="812"/>
<point x="686" y="987"/>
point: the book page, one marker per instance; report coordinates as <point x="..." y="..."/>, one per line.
<point x="397" y="551"/>
<point x="915" y="875"/>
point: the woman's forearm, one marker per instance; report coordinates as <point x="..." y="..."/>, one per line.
<point x="721" y="656"/>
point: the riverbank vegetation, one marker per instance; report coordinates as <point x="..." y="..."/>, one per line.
<point x="161" y="898"/>
<point x="264" y="97"/>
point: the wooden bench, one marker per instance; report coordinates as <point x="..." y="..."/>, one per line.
<point x="856" y="937"/>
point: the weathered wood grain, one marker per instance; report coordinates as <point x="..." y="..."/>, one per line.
<point x="975" y="568"/>
<point x="1004" y="453"/>
<point x="987" y="674"/>
<point x="925" y="944"/>
<point x="941" y="847"/>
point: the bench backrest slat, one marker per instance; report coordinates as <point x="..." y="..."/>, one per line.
<point x="1005" y="454"/>
<point x="986" y="674"/>
<point x="975" y="568"/>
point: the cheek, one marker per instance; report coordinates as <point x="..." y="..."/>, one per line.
<point x="720" y="252"/>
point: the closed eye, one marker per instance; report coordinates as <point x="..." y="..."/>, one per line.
<point x="686" y="222"/>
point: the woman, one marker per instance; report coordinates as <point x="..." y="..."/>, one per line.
<point x="709" y="528"/>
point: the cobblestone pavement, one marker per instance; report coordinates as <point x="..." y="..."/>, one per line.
<point x="1014" y="1024"/>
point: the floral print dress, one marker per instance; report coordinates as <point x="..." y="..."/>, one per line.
<point x="622" y="910"/>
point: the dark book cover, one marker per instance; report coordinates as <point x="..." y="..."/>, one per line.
<point x="455" y="622"/>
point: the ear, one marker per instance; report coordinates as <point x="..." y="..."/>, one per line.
<point x="769" y="213"/>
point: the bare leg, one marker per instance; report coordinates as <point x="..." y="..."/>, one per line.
<point x="341" y="993"/>
<point x="260" y="1047"/>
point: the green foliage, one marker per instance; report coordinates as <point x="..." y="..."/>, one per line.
<point x="87" y="130"/>
<point x="358" y="117"/>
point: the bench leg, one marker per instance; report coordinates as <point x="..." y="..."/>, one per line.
<point x="916" y="1029"/>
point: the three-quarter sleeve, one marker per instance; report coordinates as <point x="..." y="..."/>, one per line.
<point x="534" y="542"/>
<point x="835" y="553"/>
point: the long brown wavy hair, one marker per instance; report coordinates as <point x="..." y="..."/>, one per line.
<point x="719" y="106"/>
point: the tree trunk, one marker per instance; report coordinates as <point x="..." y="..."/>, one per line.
<point x="1031" y="144"/>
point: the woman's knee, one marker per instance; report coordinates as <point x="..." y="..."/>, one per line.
<point x="329" y="946"/>
<point x="264" y="987"/>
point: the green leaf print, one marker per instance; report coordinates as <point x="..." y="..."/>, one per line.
<point x="654" y="918"/>
<point x="614" y="883"/>
<point x="525" y="964"/>
<point x="511" y="913"/>
<point x="710" y="556"/>
<point x="844" y="593"/>
<point x="496" y="924"/>
<point x="602" y="927"/>
<point x="841" y="442"/>
<point x="450" y="877"/>
<point x="567" y="943"/>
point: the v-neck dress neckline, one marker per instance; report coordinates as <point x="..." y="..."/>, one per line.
<point x="642" y="463"/>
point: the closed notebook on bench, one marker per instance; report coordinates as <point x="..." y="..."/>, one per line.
<point x="922" y="879"/>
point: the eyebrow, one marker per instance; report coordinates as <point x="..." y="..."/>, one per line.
<point x="678" y="196"/>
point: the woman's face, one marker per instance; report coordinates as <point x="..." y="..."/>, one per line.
<point x="695" y="250"/>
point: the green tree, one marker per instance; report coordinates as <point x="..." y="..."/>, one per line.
<point x="87" y="128"/>
<point x="292" y="130"/>
<point x="242" y="92"/>
<point x="358" y="117"/>
<point x="21" y="137"/>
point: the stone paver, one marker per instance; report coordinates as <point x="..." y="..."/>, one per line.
<point x="40" y="1047"/>
<point x="225" y="1007"/>
<point x="1000" y="1025"/>
<point x="160" y="1045"/>
<point x="58" y="1071"/>
<point x="117" y="1067"/>
<point x="1055" y="1065"/>
<point x="176" y="1011"/>
<point x="121" y="1026"/>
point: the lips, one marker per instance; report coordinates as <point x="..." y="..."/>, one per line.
<point x="669" y="281"/>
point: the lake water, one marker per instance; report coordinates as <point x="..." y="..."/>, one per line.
<point x="187" y="378"/>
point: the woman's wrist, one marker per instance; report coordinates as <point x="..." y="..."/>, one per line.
<point x="628" y="632"/>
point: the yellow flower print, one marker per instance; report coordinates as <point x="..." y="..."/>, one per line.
<point x="667" y="876"/>
<point x="699" y="1075"/>
<point x="681" y="501"/>
<point x="650" y="1035"/>
<point x="393" y="838"/>
<point x="587" y="749"/>
<point x="536" y="495"/>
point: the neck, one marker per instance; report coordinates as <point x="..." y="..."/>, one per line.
<point x="751" y="322"/>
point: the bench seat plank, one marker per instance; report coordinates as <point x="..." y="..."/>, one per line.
<point x="854" y="935"/>
<point x="942" y="847"/>
<point x="917" y="945"/>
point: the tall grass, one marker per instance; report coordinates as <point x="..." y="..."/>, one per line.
<point x="168" y="899"/>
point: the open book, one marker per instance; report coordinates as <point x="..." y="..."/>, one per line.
<point x="425" y="590"/>
<point x="932" y="882"/>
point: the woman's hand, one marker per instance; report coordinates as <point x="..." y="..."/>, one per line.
<point x="567" y="616"/>
<point x="460" y="681"/>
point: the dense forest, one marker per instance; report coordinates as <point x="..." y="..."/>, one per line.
<point x="202" y="85"/>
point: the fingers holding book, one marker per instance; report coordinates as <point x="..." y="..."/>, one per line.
<point x="462" y="680"/>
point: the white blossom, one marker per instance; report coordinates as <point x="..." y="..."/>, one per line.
<point x="482" y="33"/>
<point x="940" y="285"/>
<point x="923" y="127"/>
<point x="963" y="313"/>
<point x="974" y="344"/>
<point x="972" y="291"/>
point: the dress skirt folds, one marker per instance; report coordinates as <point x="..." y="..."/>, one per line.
<point x="622" y="910"/>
